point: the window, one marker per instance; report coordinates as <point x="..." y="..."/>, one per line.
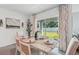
<point x="48" y="27"/>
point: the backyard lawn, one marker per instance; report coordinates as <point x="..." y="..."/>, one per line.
<point x="51" y="34"/>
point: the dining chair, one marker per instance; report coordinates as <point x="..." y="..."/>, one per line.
<point x="73" y="46"/>
<point x="25" y="48"/>
<point x="71" y="50"/>
<point x="17" y="44"/>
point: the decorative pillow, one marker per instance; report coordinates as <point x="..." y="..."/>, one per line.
<point x="73" y="45"/>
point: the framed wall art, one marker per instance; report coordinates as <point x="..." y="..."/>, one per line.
<point x="12" y="23"/>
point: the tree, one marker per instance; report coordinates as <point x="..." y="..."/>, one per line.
<point x="52" y="24"/>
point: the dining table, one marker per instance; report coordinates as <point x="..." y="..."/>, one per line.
<point x="40" y="44"/>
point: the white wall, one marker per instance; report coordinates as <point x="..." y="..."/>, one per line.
<point x="75" y="18"/>
<point x="48" y="14"/>
<point x="7" y="36"/>
<point x="75" y="8"/>
<point x="76" y="23"/>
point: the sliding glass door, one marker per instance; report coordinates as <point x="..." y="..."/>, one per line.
<point x="48" y="27"/>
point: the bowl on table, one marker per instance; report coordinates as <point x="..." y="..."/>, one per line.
<point x="48" y="42"/>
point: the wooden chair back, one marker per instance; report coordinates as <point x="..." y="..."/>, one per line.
<point x="25" y="48"/>
<point x="73" y="45"/>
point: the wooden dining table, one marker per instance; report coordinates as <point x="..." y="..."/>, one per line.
<point x="38" y="44"/>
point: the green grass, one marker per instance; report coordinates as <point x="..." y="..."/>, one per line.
<point x="51" y="34"/>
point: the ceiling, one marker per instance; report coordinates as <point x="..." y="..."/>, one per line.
<point x="28" y="9"/>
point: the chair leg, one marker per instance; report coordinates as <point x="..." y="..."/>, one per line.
<point x="42" y="53"/>
<point x="16" y="52"/>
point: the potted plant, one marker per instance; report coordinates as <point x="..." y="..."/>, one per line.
<point x="29" y="25"/>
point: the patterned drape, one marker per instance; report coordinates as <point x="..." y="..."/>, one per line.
<point x="65" y="24"/>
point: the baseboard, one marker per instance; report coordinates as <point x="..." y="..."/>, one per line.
<point x="8" y="44"/>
